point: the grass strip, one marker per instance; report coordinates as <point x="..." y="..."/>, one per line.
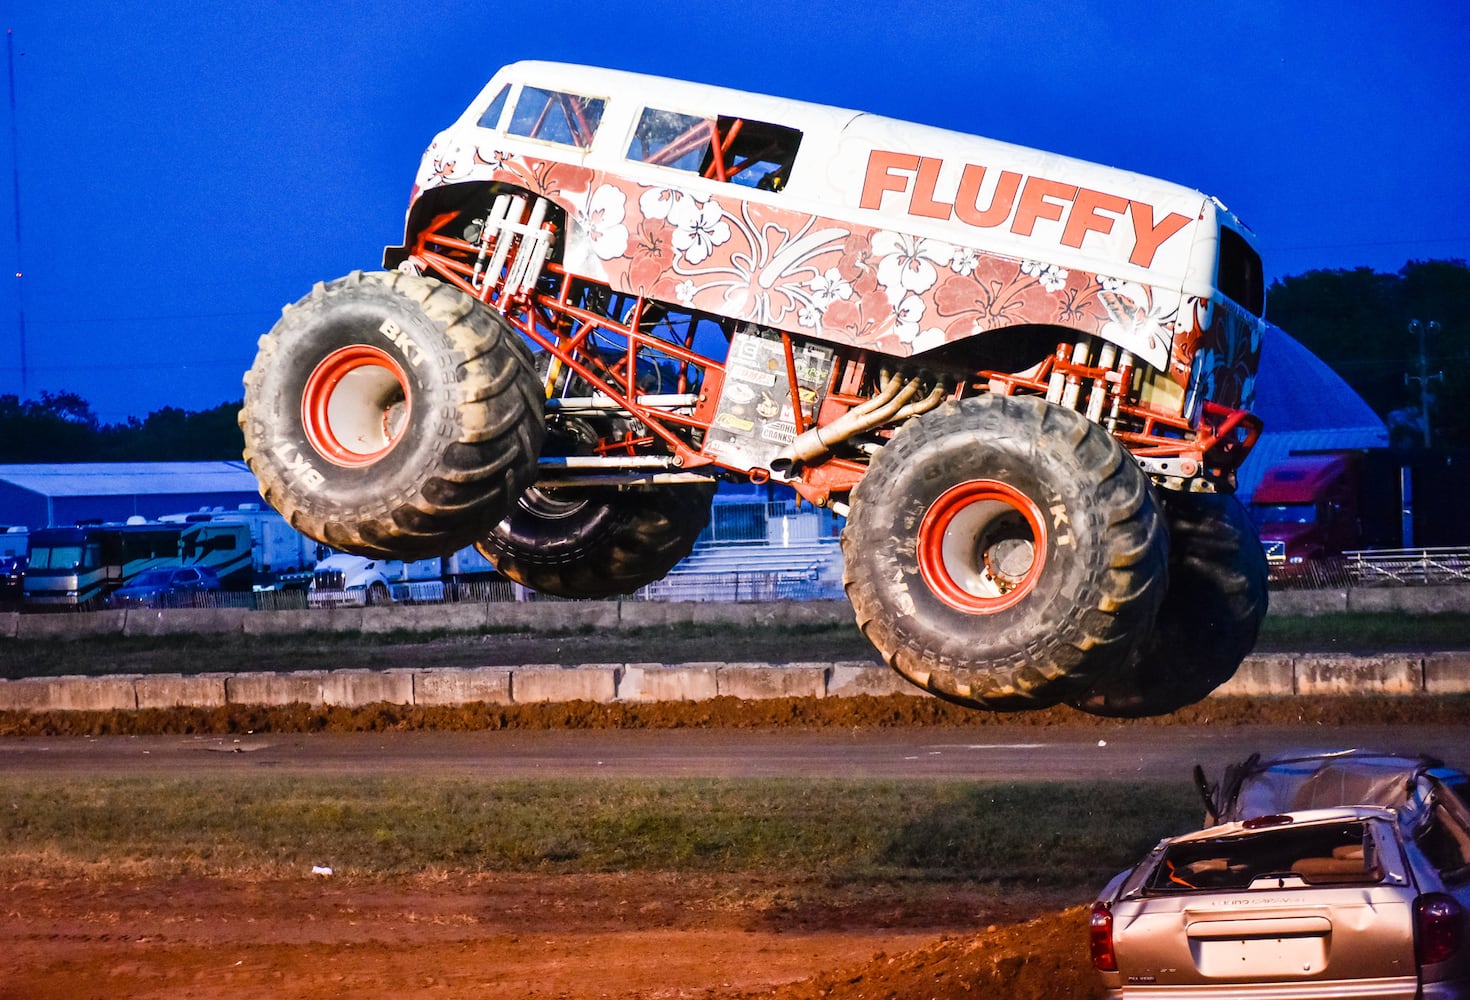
<point x="1039" y="836"/>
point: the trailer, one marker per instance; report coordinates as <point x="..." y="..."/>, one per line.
<point x="278" y="556"/>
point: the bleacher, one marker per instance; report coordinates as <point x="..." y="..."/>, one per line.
<point x="758" y="551"/>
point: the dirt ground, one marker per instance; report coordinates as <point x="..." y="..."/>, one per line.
<point x="736" y="937"/>
<point x="525" y="936"/>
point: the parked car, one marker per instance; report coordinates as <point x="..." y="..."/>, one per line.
<point x="165" y="587"/>
<point x="1360" y="887"/>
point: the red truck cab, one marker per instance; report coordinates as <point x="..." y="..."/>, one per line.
<point x="1306" y="507"/>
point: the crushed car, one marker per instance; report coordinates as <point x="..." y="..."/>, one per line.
<point x="1341" y="874"/>
<point x="1310" y="779"/>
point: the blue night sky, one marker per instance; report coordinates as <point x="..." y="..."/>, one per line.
<point x="187" y="168"/>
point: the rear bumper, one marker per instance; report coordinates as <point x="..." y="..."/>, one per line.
<point x="1388" y="988"/>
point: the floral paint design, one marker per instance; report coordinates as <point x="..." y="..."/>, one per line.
<point x="891" y="292"/>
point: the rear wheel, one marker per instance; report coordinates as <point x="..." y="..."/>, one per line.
<point x="1004" y="553"/>
<point x="1210" y="618"/>
<point x="597" y="542"/>
<point x="390" y="415"/>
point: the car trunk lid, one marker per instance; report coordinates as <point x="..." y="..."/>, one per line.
<point x="1296" y="911"/>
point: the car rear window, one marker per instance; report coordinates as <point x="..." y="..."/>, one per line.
<point x="1320" y="854"/>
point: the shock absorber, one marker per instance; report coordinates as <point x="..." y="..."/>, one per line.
<point x="512" y="248"/>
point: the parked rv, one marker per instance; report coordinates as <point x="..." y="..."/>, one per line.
<point x="78" y="566"/>
<point x="278" y="556"/>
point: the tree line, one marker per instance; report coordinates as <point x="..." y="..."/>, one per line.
<point x="1357" y="321"/>
<point x="61" y="427"/>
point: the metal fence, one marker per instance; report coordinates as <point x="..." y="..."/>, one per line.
<point x="1397" y="567"/>
<point x="1375" y="568"/>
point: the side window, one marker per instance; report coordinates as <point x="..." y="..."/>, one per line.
<point x="756" y="154"/>
<point x="1445" y="843"/>
<point x="669" y="139"/>
<point x="556" y="117"/>
<point x="1240" y="272"/>
<point x="491" y="116"/>
<point x="735" y="150"/>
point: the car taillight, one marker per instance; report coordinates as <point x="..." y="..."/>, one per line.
<point x="1100" y="938"/>
<point x="1439" y="928"/>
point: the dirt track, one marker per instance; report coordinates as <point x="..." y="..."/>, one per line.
<point x="111" y="933"/>
<point x="521" y="936"/>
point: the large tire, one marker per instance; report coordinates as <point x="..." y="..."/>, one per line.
<point x="393" y="416"/>
<point x="1210" y="618"/>
<point x="1004" y="553"/>
<point x="597" y="542"/>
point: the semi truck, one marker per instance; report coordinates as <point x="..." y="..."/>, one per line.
<point x="1319" y="505"/>
<point x="344" y="579"/>
<point x="1024" y="380"/>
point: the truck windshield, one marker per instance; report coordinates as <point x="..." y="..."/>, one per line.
<point x="1284" y="513"/>
<point x="56" y="557"/>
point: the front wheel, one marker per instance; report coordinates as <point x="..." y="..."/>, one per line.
<point x="590" y="543"/>
<point x="1004" y="553"/>
<point x="392" y="416"/>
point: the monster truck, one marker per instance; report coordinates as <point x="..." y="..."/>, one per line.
<point x="1024" y="379"/>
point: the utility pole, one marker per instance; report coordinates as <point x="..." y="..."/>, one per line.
<point x="20" y="304"/>
<point x="1423" y="331"/>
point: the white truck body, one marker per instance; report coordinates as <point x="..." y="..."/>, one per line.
<point x="344" y="580"/>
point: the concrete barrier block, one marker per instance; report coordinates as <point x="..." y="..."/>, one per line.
<point x="69" y="694"/>
<point x="9" y="622"/>
<point x="466" y="617"/>
<point x="462" y="686"/>
<point x="800" y="613"/>
<point x="655" y="614"/>
<point x="543" y="682"/>
<point x="70" y="624"/>
<point x="1430" y="600"/>
<point x="1319" y="674"/>
<point x="848" y="680"/>
<point x="275" y="688"/>
<point x="753" y="682"/>
<point x="553" y="615"/>
<point x="177" y="690"/>
<point x="184" y="621"/>
<point x="642" y="614"/>
<point x="656" y="682"/>
<point x="356" y="688"/>
<point x="1261" y="675"/>
<point x="281" y="622"/>
<point x="1447" y="673"/>
<point x="25" y="695"/>
<point x="1307" y="602"/>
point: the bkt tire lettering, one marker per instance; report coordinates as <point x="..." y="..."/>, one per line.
<point x="412" y="352"/>
<point x="297" y="466"/>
